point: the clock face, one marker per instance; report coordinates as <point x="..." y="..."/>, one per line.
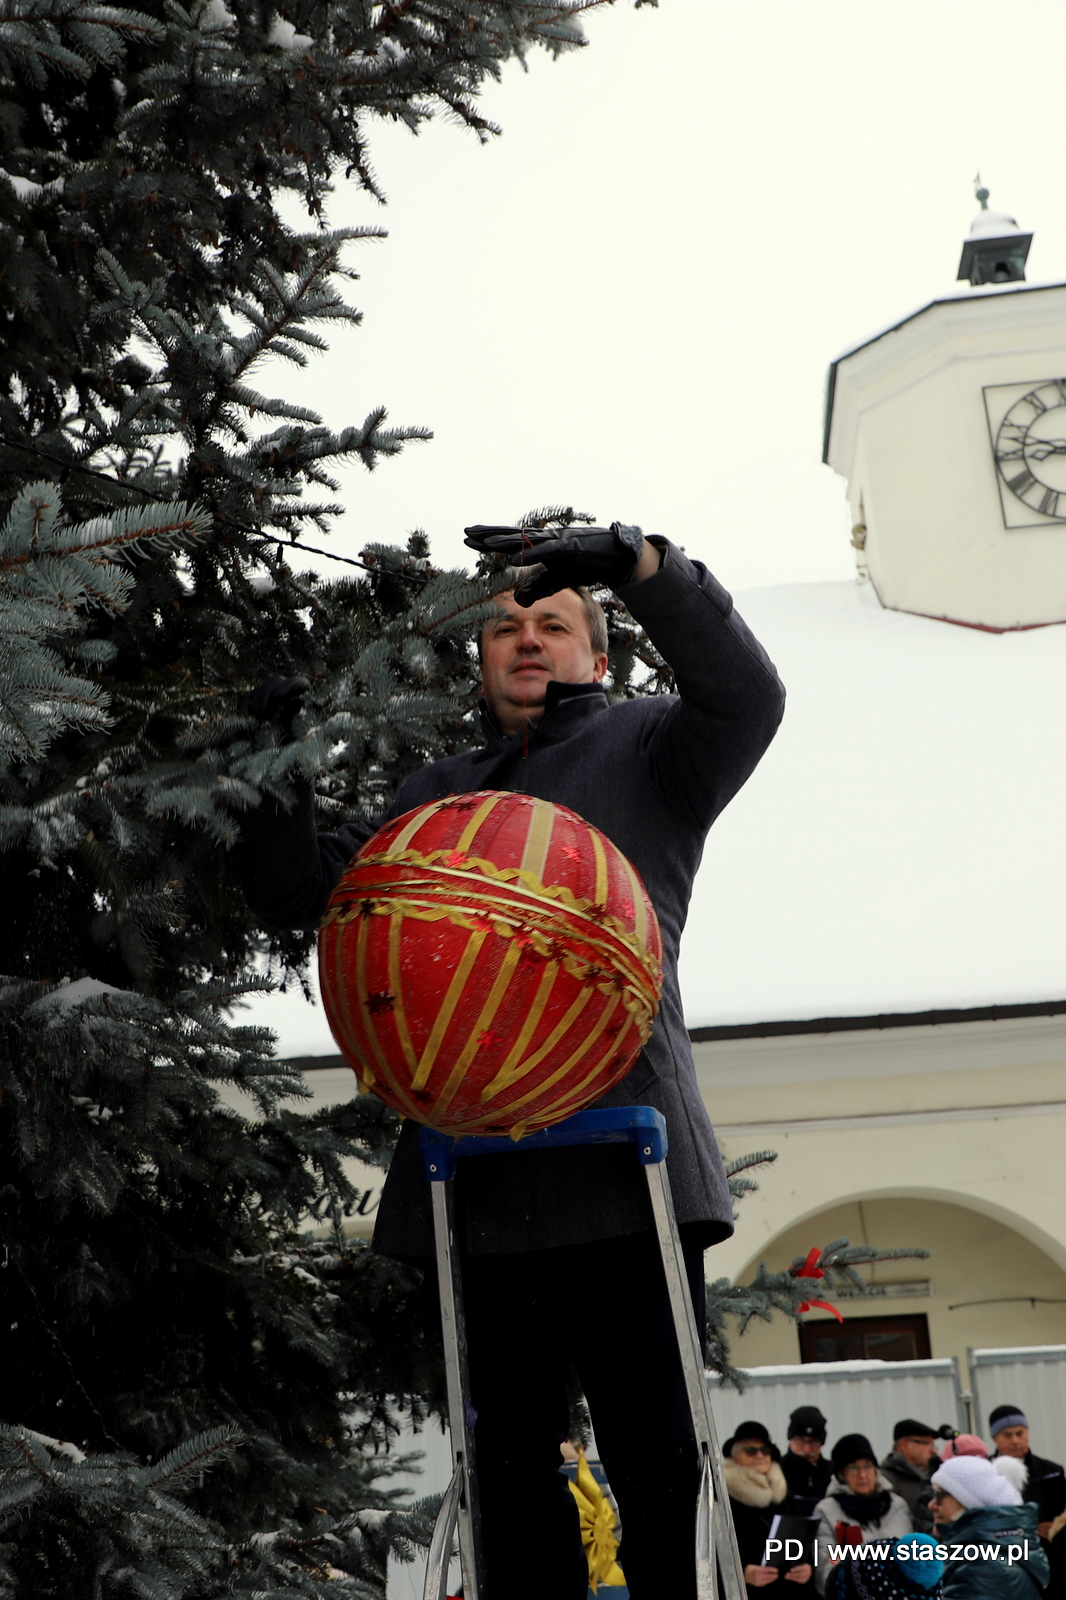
<point x="1028" y="427"/>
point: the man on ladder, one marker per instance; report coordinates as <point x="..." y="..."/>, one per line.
<point x="561" y="1264"/>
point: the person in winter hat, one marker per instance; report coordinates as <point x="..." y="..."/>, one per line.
<point x="861" y="1506"/>
<point x="978" y="1509"/>
<point x="963" y="1444"/>
<point x="807" y="1471"/>
<point x="913" y="1571"/>
<point x="1045" y="1480"/>
<point x="907" y="1467"/>
<point x="972" y="1482"/>
<point x="757" y="1493"/>
<point x="1045" y="1484"/>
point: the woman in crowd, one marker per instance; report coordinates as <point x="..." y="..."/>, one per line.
<point x="757" y="1493"/>
<point x="861" y="1506"/>
<point x="978" y="1507"/>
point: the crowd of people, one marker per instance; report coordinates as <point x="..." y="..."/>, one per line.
<point x="939" y="1515"/>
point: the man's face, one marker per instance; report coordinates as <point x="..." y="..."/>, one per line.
<point x="917" y="1448"/>
<point x="809" y="1449"/>
<point x="1013" y="1442"/>
<point x="523" y="649"/>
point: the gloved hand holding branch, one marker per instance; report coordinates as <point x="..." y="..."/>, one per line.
<point x="562" y="558"/>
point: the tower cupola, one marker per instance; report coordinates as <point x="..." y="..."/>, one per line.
<point x="996" y="249"/>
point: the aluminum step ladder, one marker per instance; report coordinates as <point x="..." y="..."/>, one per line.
<point x="718" y="1565"/>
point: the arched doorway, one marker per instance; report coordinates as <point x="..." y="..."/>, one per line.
<point x="983" y="1285"/>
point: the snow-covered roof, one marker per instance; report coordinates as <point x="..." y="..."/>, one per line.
<point x="901" y="847"/>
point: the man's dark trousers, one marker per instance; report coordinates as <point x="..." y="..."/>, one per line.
<point x="603" y="1311"/>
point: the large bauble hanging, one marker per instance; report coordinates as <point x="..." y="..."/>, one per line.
<point x="490" y="963"/>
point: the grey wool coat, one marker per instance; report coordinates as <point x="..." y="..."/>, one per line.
<point x="652" y="774"/>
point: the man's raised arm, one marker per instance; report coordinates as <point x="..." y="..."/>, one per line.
<point x="731" y="698"/>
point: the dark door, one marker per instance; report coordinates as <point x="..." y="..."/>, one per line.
<point x="866" y="1339"/>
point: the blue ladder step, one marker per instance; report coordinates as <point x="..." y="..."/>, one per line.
<point x="641" y="1126"/>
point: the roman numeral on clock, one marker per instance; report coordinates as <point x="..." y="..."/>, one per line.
<point x="1021" y="483"/>
<point x="1049" y="505"/>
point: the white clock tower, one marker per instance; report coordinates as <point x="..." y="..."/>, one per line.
<point x="950" y="429"/>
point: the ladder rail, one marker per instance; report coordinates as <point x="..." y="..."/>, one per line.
<point x="717" y="1554"/>
<point x="460" y="1409"/>
<point x="717" y="1547"/>
<point x="440" y="1547"/>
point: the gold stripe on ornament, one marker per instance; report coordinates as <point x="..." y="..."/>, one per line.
<point x="533" y="1016"/>
<point x="571" y="1061"/>
<point x="641" y="977"/>
<point x="399" y="1009"/>
<point x="538" y="838"/>
<point x="565" y="1104"/>
<point x="339" y="993"/>
<point x="447" y="1008"/>
<point x="362" y="994"/>
<point x="512" y="956"/>
<point x="547" y="896"/>
<point x="599" y="897"/>
<point x="470" y="832"/>
<point x="504" y="1078"/>
<point x="524" y="1068"/>
<point x="407" y="833"/>
<point x="559" y="1032"/>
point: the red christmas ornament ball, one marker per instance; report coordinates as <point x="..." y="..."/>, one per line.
<point x="490" y="963"/>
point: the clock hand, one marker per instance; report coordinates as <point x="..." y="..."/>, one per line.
<point x="1046" y="447"/>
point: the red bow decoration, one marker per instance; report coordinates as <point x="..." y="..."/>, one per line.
<point x="810" y="1270"/>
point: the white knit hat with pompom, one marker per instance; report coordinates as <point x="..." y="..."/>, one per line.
<point x="1013" y="1470"/>
<point x="975" y="1482"/>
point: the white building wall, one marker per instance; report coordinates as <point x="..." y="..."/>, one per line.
<point x="945" y="1137"/>
<point x="911" y="434"/>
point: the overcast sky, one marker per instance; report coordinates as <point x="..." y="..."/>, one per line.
<point x="629" y="300"/>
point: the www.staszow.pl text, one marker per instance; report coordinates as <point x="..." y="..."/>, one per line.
<point x="1010" y="1553"/>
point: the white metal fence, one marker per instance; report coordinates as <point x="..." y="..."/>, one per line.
<point x="854" y="1396"/>
<point x="1032" y="1377"/>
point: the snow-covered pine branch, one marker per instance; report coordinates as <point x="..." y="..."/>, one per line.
<point x="51" y="573"/>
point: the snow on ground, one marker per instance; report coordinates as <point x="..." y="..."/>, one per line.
<point x="900" y="847"/>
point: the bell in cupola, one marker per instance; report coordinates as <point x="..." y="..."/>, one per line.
<point x="996" y="249"/>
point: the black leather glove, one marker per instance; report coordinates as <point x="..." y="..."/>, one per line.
<point x="277" y="701"/>
<point x="561" y="558"/>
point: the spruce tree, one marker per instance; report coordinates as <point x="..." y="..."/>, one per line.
<point x="201" y="1371"/>
<point x="181" y="1303"/>
<point x="182" y="1307"/>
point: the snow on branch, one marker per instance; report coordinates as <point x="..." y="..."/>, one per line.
<point x="51" y="573"/>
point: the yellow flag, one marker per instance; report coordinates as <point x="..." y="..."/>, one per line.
<point x="597" y="1528"/>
